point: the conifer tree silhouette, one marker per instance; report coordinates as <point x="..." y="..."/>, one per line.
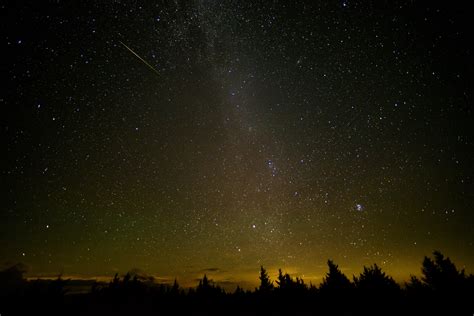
<point x="283" y="280"/>
<point x="239" y="292"/>
<point x="174" y="288"/>
<point x="203" y="283"/>
<point x="206" y="288"/>
<point x="441" y="290"/>
<point x="374" y="279"/>
<point x="415" y="285"/>
<point x="266" y="285"/>
<point x="441" y="273"/>
<point x="287" y="284"/>
<point x="335" y="279"/>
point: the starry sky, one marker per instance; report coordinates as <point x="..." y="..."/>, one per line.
<point x="190" y="137"/>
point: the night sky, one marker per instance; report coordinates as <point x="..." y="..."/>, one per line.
<point x="191" y="137"/>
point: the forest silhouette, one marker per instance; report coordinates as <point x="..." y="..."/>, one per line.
<point x="442" y="289"/>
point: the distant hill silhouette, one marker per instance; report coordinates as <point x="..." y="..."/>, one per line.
<point x="441" y="290"/>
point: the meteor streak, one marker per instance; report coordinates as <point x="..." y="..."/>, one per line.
<point x="143" y="60"/>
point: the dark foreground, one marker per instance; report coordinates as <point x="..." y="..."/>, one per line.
<point x="442" y="290"/>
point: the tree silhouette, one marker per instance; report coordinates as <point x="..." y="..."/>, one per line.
<point x="335" y="279"/>
<point x="442" y="287"/>
<point x="441" y="273"/>
<point x="441" y="290"/>
<point x="239" y="292"/>
<point x="283" y="281"/>
<point x="174" y="290"/>
<point x="266" y="285"/>
<point x="415" y="285"/>
<point x="203" y="283"/>
<point x="287" y="284"/>
<point x="206" y="288"/>
<point x="374" y="279"/>
<point x="115" y="283"/>
<point x="126" y="279"/>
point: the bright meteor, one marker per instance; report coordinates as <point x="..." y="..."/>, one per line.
<point x="143" y="60"/>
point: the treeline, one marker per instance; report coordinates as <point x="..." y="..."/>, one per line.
<point x="441" y="290"/>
